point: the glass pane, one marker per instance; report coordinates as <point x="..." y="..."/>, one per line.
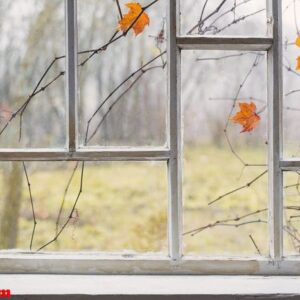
<point x="123" y="87"/>
<point x="291" y="106"/>
<point x="122" y="206"/>
<point x="291" y="215"/>
<point x="225" y="181"/>
<point x="229" y="17"/>
<point x="32" y="111"/>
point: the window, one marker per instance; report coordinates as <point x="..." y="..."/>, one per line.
<point x="137" y="156"/>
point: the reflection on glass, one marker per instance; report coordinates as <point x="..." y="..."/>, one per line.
<point x="225" y="182"/>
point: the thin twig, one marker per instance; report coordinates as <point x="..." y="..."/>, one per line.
<point x="71" y="213"/>
<point x="114" y="91"/>
<point x="110" y="108"/>
<point x="247" y="185"/>
<point x="254" y="243"/>
<point x="202" y="12"/>
<point x="228" y="56"/>
<point x="236" y="219"/>
<point x="238" y="20"/>
<point x="199" y="24"/>
<point x="65" y="195"/>
<point x="32" y="206"/>
<point x="119" y="9"/>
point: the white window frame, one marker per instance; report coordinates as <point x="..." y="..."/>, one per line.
<point x="175" y="262"/>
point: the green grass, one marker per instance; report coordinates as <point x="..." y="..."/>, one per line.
<point x="123" y="206"/>
<point x="209" y="173"/>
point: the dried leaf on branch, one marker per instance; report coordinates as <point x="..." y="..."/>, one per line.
<point x="247" y="116"/>
<point x="135" y="18"/>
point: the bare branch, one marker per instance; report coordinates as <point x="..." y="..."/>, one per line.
<point x="114" y="91"/>
<point x="71" y="213"/>
<point x="247" y="185"/>
<point x="200" y="24"/>
<point x="254" y="243"/>
<point x="238" y="20"/>
<point x="236" y="219"/>
<point x="65" y="195"/>
<point x="229" y="56"/>
<point x="32" y="206"/>
<point x="119" y="9"/>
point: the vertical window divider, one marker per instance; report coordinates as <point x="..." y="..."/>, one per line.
<point x="174" y="134"/>
<point x="275" y="96"/>
<point x="71" y="73"/>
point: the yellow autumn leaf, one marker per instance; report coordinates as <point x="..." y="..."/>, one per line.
<point x="247" y="116"/>
<point x="135" y="16"/>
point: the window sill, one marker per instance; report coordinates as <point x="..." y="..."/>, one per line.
<point x="139" y="287"/>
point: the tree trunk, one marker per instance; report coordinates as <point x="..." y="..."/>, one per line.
<point x="11" y="205"/>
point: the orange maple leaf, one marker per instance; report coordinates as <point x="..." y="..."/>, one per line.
<point x="298" y="64"/>
<point x="247" y="117"/>
<point x="297" y="42"/>
<point x="135" y="16"/>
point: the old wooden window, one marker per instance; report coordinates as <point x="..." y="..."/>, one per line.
<point x="157" y="155"/>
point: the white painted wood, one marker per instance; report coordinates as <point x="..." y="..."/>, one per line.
<point x="275" y="96"/>
<point x="290" y="164"/>
<point x="108" y="154"/>
<point x="175" y="134"/>
<point x="71" y="74"/>
<point x="224" y="43"/>
<point x="109" y="264"/>
<point x="149" y="285"/>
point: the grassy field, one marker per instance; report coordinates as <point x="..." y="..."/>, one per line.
<point x="123" y="206"/>
<point x="209" y="173"/>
